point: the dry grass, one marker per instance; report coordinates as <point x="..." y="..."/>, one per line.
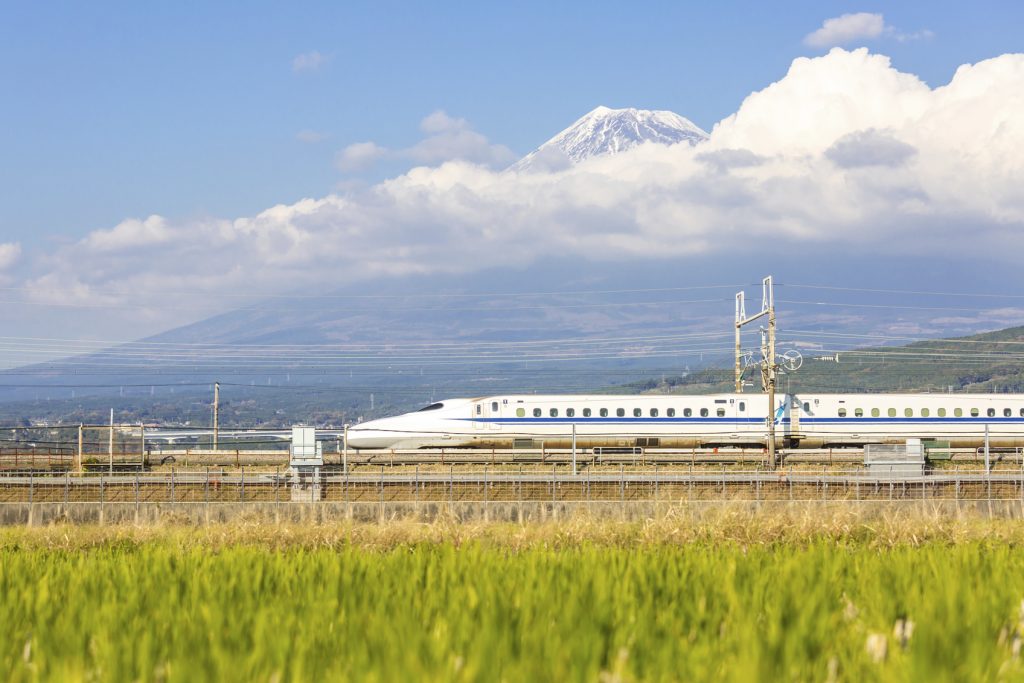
<point x="881" y="527"/>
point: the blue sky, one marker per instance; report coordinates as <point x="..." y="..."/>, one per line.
<point x="112" y="111"/>
<point x="165" y="162"/>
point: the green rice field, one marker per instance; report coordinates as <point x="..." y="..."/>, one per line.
<point x="733" y="598"/>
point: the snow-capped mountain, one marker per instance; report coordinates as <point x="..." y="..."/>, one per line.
<point x="609" y="131"/>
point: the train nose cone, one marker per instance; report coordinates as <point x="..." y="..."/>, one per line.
<point x="368" y="437"/>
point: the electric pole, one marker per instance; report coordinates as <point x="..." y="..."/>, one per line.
<point x="741" y="314"/>
<point x="769" y="370"/>
<point x="216" y="414"/>
<point x="110" y="441"/>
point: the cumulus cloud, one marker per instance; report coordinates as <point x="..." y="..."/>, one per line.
<point x="723" y="160"/>
<point x="446" y="138"/>
<point x="858" y="27"/>
<point x="10" y="252"/>
<point x="440" y="122"/>
<point x="360" y="156"/>
<point x="869" y="148"/>
<point x="452" y="138"/>
<point x="308" y="61"/>
<point x="129" y="234"/>
<point x="844" y="154"/>
<point x="845" y="29"/>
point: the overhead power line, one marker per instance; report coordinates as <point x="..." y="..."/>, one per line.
<point x="219" y="293"/>
<point x="902" y="291"/>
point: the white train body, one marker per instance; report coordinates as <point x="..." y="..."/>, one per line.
<point x="680" y="421"/>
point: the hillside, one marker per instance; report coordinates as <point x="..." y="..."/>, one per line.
<point x="982" y="363"/>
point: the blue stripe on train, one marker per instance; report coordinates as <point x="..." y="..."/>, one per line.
<point x="743" y="420"/>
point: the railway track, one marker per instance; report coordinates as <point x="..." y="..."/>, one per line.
<point x="155" y="459"/>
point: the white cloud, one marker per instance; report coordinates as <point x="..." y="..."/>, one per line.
<point x="446" y="139"/>
<point x="10" y="252"/>
<point x="870" y="147"/>
<point x="129" y="234"/>
<point x="859" y="27"/>
<point x="308" y="61"/>
<point x="844" y="154"/>
<point x="847" y="28"/>
<point x="360" y="156"/>
<point x="923" y="34"/>
<point x="440" y="122"/>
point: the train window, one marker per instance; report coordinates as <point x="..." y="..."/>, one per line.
<point x="892" y="412"/>
<point x="553" y="412"/>
<point x="479" y="409"/>
<point x="494" y="406"/>
<point x="875" y="412"/>
<point x="974" y="412"/>
<point x="703" y="412"/>
<point x="942" y="412"/>
<point x="720" y="412"/>
<point x="654" y="412"/>
<point x="1022" y="412"/>
<point x="991" y="412"/>
<point x="520" y="412"/>
<point x="537" y="412"/>
<point x="620" y="412"/>
<point x="586" y="412"/>
<point x="671" y="412"/>
<point x="958" y="412"/>
<point x="570" y="412"/>
<point x="842" y="412"/>
<point x="637" y="412"/>
<point x="1007" y="412"/>
<point x="604" y="412"/>
<point x="432" y="406"/>
<point x="807" y="407"/>
<point x="858" y="412"/>
<point x="687" y="412"/>
<point x="743" y="406"/>
<point x="908" y="412"/>
<point x="925" y="412"/>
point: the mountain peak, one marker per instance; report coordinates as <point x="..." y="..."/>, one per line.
<point x="603" y="131"/>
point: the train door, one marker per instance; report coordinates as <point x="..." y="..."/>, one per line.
<point x="477" y="415"/>
<point x="741" y="410"/>
<point x="493" y="411"/>
<point x="727" y="409"/>
<point x="737" y="411"/>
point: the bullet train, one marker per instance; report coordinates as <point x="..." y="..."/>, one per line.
<point x="679" y="421"/>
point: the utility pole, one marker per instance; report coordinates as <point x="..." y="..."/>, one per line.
<point x="741" y="314"/>
<point x="769" y="370"/>
<point x="344" y="453"/>
<point x="988" y="470"/>
<point x="574" y="471"/>
<point x="216" y="414"/>
<point x="81" y="428"/>
<point x="110" y="443"/>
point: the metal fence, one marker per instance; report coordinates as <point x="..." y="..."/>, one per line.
<point x="486" y="486"/>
